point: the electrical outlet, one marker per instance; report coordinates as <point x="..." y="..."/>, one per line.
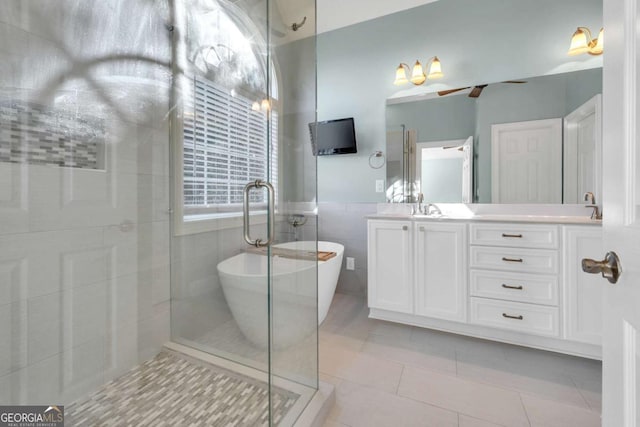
<point x="351" y="263"/>
<point x="379" y="185"/>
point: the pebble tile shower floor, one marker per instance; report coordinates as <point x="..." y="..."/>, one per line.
<point x="176" y="390"/>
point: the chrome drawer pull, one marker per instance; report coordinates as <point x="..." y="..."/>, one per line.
<point x="519" y="287"/>
<point x="512" y="317"/>
<point x="511" y="259"/>
<point x="518" y="236"/>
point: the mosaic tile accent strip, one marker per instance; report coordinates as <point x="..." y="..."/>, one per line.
<point x="175" y="390"/>
<point x="34" y="134"/>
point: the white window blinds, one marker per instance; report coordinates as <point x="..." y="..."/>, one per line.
<point x="224" y="148"/>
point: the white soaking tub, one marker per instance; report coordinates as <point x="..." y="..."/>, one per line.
<point x="244" y="282"/>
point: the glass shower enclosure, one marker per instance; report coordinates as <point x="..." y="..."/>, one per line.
<point x="244" y="272"/>
<point x="157" y="193"/>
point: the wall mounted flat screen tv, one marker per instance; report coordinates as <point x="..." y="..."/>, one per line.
<point x="333" y="137"/>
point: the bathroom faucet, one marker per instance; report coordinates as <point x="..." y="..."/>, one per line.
<point x="589" y="197"/>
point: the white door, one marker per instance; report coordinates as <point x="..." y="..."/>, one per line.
<point x="621" y="196"/>
<point x="583" y="152"/>
<point x="467" y="171"/>
<point x="526" y="162"/>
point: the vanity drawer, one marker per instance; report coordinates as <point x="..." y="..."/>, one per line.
<point x="514" y="259"/>
<point x="515" y="316"/>
<point x="528" y="288"/>
<point x="515" y="235"/>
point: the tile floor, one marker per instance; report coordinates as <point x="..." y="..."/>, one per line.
<point x="388" y="374"/>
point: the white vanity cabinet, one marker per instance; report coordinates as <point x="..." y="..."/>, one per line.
<point x="514" y="282"/>
<point x="583" y="292"/>
<point x="389" y="265"/>
<point x="441" y="270"/>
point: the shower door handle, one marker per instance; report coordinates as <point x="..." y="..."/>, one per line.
<point x="258" y="183"/>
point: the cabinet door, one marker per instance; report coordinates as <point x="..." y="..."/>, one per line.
<point x="389" y="271"/>
<point x="583" y="292"/>
<point x="441" y="270"/>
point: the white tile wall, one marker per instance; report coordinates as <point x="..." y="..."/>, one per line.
<point x="84" y="254"/>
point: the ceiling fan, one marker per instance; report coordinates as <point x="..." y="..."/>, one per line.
<point x="476" y="90"/>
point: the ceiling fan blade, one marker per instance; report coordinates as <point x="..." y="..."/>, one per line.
<point x="514" y="81"/>
<point x="448" y="91"/>
<point x="476" y="91"/>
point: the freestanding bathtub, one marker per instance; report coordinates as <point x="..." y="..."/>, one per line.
<point x="244" y="282"/>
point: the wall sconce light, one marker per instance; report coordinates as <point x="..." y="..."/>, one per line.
<point x="418" y="75"/>
<point x="582" y="42"/>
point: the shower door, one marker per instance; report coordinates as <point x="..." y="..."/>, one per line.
<point x="243" y="283"/>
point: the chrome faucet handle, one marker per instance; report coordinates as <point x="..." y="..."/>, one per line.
<point x="589" y="197"/>
<point x="596" y="213"/>
<point x="436" y="209"/>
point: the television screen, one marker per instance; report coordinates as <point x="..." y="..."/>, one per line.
<point x="333" y="137"/>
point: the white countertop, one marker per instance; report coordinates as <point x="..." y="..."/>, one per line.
<point x="550" y="214"/>
<point x="547" y="219"/>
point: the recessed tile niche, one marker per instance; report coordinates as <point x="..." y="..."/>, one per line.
<point x="37" y="134"/>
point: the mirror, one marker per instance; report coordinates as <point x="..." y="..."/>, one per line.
<point x="535" y="140"/>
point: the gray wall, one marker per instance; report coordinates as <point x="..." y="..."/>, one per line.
<point x="345" y="223"/>
<point x="356" y="66"/>
<point x="437" y="119"/>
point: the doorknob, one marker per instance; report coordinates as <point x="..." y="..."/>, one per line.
<point x="609" y="267"/>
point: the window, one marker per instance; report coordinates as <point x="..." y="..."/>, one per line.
<point x="223" y="149"/>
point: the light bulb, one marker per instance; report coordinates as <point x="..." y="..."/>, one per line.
<point x="401" y="76"/>
<point x="435" y="71"/>
<point x="579" y="43"/>
<point x="417" y="76"/>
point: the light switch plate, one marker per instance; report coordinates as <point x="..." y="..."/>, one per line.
<point x="379" y="185"/>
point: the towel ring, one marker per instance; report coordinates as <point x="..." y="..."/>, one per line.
<point x="377" y="155"/>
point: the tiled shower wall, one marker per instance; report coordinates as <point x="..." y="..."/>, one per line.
<point x="84" y="248"/>
<point x="346" y="223"/>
